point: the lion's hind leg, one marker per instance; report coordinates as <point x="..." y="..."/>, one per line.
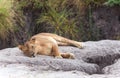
<point x="67" y="42"/>
<point x="62" y="43"/>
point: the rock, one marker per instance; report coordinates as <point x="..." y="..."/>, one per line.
<point x="88" y="63"/>
<point x="15" y="56"/>
<point x="102" y="52"/>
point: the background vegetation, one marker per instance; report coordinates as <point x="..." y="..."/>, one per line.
<point x="68" y="18"/>
<point x="6" y="18"/>
<point x="112" y="2"/>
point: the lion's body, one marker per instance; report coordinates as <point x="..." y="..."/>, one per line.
<point x="47" y="44"/>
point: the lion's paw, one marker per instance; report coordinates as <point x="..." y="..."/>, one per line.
<point x="58" y="57"/>
<point x="72" y="56"/>
<point x="81" y="45"/>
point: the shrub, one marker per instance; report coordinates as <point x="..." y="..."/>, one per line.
<point x="57" y="17"/>
<point x="113" y="2"/>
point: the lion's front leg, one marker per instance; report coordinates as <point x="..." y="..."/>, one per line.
<point x="55" y="51"/>
<point x="68" y="55"/>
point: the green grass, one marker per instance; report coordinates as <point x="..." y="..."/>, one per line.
<point x="113" y="2"/>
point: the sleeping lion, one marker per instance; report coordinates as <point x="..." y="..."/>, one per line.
<point x="47" y="44"/>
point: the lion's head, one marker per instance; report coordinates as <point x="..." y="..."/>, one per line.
<point x="27" y="48"/>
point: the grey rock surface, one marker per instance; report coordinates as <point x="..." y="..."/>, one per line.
<point x="99" y="59"/>
<point x="113" y="69"/>
<point x="102" y="52"/>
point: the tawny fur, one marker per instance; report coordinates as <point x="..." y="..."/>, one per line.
<point x="47" y="44"/>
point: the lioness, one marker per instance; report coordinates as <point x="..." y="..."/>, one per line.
<point x="47" y="44"/>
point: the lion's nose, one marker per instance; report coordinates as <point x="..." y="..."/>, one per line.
<point x="32" y="55"/>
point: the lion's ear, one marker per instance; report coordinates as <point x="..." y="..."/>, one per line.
<point x="21" y="47"/>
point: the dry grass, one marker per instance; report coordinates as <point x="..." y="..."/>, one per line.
<point x="8" y="18"/>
